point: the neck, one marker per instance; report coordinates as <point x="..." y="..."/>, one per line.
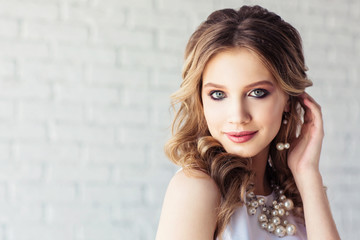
<point x="262" y="186"/>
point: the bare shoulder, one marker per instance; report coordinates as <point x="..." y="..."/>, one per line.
<point x="190" y="208"/>
<point x="197" y="183"/>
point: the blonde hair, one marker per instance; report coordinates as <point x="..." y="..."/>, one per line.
<point x="279" y="47"/>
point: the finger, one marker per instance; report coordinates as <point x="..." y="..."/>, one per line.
<point x="307" y="111"/>
<point x="307" y="96"/>
<point x="313" y="113"/>
<point x="314" y="108"/>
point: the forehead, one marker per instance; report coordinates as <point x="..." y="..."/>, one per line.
<point x="240" y="65"/>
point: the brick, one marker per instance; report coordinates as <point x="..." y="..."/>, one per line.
<point x="150" y="59"/>
<point x="43" y="112"/>
<point x="47" y="152"/>
<point x="24" y="91"/>
<point x="20" y="172"/>
<point x="117" y="155"/>
<point x="107" y="231"/>
<point x="139" y="136"/>
<point x="113" y="194"/>
<point x="146" y="222"/>
<point x="120" y="37"/>
<point x="29" y="10"/>
<point x="143" y="18"/>
<point x="3" y="197"/>
<point x="83" y="94"/>
<point x="55" y="31"/>
<point x="50" y="193"/>
<point x="7" y="67"/>
<point x="186" y="6"/>
<point x="131" y="97"/>
<point x="79" y="214"/>
<point x="125" y="4"/>
<point x="23" y="49"/>
<point x="172" y="41"/>
<point x="84" y="54"/>
<point x="112" y="76"/>
<point x="5" y="152"/>
<point x="117" y="115"/>
<point x="160" y="116"/>
<point x="95" y="15"/>
<point x="15" y="213"/>
<point x="9" y="28"/>
<point x="67" y="173"/>
<point x="168" y="80"/>
<point x="32" y="231"/>
<point x="7" y="110"/>
<point x="23" y="131"/>
<point x="40" y="71"/>
<point x="83" y="134"/>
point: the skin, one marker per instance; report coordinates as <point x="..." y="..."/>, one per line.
<point x="189" y="210"/>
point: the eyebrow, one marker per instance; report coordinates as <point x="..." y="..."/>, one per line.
<point x="263" y="82"/>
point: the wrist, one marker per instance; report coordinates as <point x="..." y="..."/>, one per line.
<point x="309" y="179"/>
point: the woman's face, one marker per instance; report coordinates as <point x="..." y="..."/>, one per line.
<point x="243" y="105"/>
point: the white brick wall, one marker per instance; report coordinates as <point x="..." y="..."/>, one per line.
<point x="84" y="110"/>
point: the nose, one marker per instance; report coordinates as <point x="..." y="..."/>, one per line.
<point x="238" y="112"/>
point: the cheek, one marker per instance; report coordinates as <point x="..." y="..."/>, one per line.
<point x="270" y="112"/>
<point x="212" y="115"/>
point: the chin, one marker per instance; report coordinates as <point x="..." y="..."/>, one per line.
<point x="241" y="153"/>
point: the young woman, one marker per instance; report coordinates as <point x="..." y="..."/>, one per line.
<point x="247" y="136"/>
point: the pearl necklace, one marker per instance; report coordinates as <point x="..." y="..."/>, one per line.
<point x="271" y="218"/>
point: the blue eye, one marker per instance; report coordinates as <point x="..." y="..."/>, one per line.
<point x="217" y="95"/>
<point x="259" y="93"/>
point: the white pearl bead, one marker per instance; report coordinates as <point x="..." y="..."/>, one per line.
<point x="280" y="146"/>
<point x="287" y="145"/>
<point x="276" y="220"/>
<point x="282" y="198"/>
<point x="281" y="212"/>
<point x="261" y="201"/>
<point x="262" y="218"/>
<point x="252" y="210"/>
<point x="264" y="225"/>
<point x="271" y="227"/>
<point x="290" y="229"/>
<point x="275" y="212"/>
<point x="255" y="204"/>
<point x="289" y="204"/>
<point x="280" y="231"/>
<point x="285" y="121"/>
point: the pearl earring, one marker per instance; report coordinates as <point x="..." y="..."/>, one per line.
<point x="281" y="146"/>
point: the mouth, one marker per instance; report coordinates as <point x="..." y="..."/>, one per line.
<point x="241" y="137"/>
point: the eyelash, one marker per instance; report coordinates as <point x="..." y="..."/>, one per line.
<point x="216" y="91"/>
<point x="264" y="92"/>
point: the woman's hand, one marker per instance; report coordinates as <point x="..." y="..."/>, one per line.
<point x="303" y="161"/>
<point x="304" y="153"/>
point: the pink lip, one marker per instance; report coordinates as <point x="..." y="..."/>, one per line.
<point x="240" y="137"/>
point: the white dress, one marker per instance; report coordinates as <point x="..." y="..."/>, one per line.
<point x="245" y="227"/>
